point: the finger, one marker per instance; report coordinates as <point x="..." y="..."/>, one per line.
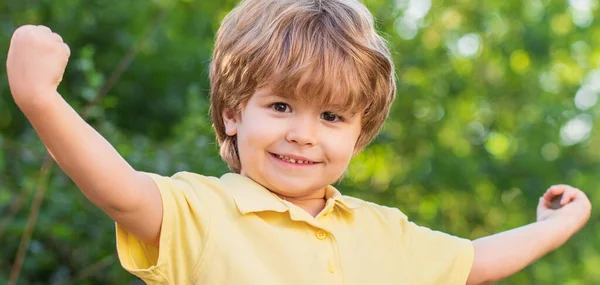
<point x="21" y="30"/>
<point x="569" y="196"/>
<point x="44" y="29"/>
<point x="24" y="28"/>
<point x="68" y="50"/>
<point x="57" y="37"/>
<point x="543" y="203"/>
<point x="549" y="195"/>
<point x="554" y="190"/>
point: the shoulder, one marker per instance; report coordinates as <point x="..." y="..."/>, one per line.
<point x="364" y="207"/>
<point x="224" y="193"/>
<point x="394" y="221"/>
<point x="186" y="181"/>
<point x="193" y="179"/>
<point x="372" y="212"/>
<point x="189" y="188"/>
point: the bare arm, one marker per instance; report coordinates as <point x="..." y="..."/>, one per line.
<point x="36" y="61"/>
<point x="501" y="255"/>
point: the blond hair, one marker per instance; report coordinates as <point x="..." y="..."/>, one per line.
<point x="315" y="50"/>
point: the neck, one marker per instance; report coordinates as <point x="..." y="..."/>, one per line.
<point x="313" y="204"/>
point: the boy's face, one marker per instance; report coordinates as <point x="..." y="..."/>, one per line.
<point x="292" y="148"/>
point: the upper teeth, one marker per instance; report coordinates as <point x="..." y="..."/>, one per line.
<point x="293" y="160"/>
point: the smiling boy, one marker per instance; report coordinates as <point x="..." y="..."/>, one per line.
<point x="297" y="88"/>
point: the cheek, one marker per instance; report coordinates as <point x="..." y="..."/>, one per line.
<point x="258" y="132"/>
<point x="341" y="146"/>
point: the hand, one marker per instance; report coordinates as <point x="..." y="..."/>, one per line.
<point x="575" y="210"/>
<point x="36" y="62"/>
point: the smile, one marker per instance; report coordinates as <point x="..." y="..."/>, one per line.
<point x="292" y="160"/>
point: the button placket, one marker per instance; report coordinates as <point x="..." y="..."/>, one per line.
<point x="321" y="234"/>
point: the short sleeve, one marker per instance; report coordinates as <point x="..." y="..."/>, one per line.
<point x="437" y="257"/>
<point x="184" y="232"/>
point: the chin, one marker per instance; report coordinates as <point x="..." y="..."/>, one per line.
<point x="294" y="187"/>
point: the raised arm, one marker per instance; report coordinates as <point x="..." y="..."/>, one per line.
<point x="36" y="61"/>
<point x="501" y="255"/>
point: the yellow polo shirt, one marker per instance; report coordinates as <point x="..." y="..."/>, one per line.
<point x="231" y="230"/>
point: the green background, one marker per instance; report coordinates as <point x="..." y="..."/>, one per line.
<point x="496" y="101"/>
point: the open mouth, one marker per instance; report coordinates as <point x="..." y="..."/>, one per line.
<point x="292" y="160"/>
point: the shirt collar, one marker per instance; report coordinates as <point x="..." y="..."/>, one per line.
<point x="251" y="197"/>
<point x="346" y="203"/>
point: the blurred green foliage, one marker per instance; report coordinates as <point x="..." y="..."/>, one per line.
<point x="496" y="102"/>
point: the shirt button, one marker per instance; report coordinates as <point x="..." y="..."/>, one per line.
<point x="321" y="234"/>
<point x="330" y="267"/>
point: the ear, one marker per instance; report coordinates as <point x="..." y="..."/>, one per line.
<point x="231" y="121"/>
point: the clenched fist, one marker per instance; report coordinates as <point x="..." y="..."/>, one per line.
<point x="36" y="61"/>
<point x="575" y="207"/>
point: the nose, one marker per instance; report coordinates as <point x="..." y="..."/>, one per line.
<point x="303" y="131"/>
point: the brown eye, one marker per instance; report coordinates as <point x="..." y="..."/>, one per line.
<point x="280" y="107"/>
<point x="330" y="117"/>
